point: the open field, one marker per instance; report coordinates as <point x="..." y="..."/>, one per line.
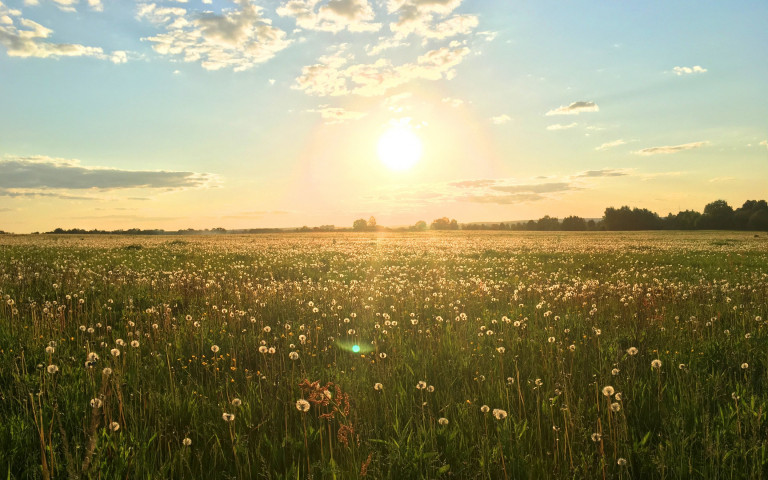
<point x="596" y="355"/>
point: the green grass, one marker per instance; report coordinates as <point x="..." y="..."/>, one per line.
<point x="531" y="324"/>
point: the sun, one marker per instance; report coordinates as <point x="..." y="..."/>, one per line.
<point x="399" y="148"/>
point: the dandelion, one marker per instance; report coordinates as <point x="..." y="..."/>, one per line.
<point x="421" y="385"/>
<point x="632" y="351"/>
<point x="228" y="417"/>
<point x="744" y="366"/>
<point x="622" y="462"/>
<point x="293" y="355"/>
<point x="615" y="407"/>
<point x="52" y="369"/>
<point x="187" y="441"/>
<point x="236" y="402"/>
<point x="538" y="382"/>
<point x="431" y="388"/>
<point x="615" y="372"/>
<point x="608" y="390"/>
<point x="656" y="364"/>
<point x="501" y="350"/>
<point x="114" y="426"/>
<point x="106" y="372"/>
<point x="378" y="387"/>
<point x="572" y="348"/>
<point x="263" y="349"/>
<point x="485" y="409"/>
<point x="49" y="350"/>
<point x="499" y="414"/>
<point x="551" y="340"/>
<point x="302" y="405"/>
<point x="272" y="350"/>
<point x="617" y="396"/>
<point x="96" y="402"/>
<point x="135" y="343"/>
<point x="442" y="421"/>
<point x="215" y="348"/>
<point x="596" y="437"/>
<point x="382" y="355"/>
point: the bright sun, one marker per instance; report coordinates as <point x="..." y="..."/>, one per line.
<point x="399" y="148"/>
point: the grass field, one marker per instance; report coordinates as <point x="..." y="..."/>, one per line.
<point x="490" y="356"/>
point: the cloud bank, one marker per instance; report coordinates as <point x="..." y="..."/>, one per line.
<point x="574" y="109"/>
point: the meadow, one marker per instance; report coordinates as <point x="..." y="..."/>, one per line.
<point x="385" y="356"/>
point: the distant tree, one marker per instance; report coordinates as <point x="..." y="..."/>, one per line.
<point x="718" y="215"/>
<point x="359" y="225"/>
<point x="440" y="224"/>
<point x="625" y="218"/>
<point x="420" y="226"/>
<point x="548" y="224"/>
<point x="453" y="225"/>
<point x="744" y="214"/>
<point x="574" y="223"/>
<point x="758" y="220"/>
<point x="371" y="223"/>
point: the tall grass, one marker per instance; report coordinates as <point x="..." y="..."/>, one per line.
<point x="418" y="356"/>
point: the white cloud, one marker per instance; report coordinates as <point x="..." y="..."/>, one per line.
<point x="331" y="16"/>
<point x="96" y="5"/>
<point x="667" y="149"/>
<point x="574" y="109"/>
<point x="764" y="143"/>
<point x="453" y="102"/>
<point x="333" y="76"/>
<point x="334" y="115"/>
<point x="612" y="144"/>
<point x="429" y="18"/>
<point x="501" y="119"/>
<point x="688" y="70"/>
<point x="25" y="38"/>
<point x="238" y="38"/>
<point x="20" y="174"/>
<point x="558" y="126"/>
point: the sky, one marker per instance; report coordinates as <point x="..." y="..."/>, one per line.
<point x="173" y="114"/>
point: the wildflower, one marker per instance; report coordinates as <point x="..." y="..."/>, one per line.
<point x="596" y="437"/>
<point x="615" y="407"/>
<point x="382" y="355"/>
<point x="49" y="350"/>
<point x="572" y="348"/>
<point x="622" y="462"/>
<point x="135" y="344"/>
<point x="656" y="364"/>
<point x="120" y="342"/>
<point x="52" y="369"/>
<point x="236" y="402"/>
<point x="681" y="366"/>
<point x="431" y="388"/>
<point x="615" y="372"/>
<point x="617" y="396"/>
<point x="442" y="421"/>
<point x="421" y="385"/>
<point x="608" y="390"/>
<point x="215" y="348"/>
<point x="632" y="351"/>
<point x="302" y="405"/>
<point x="538" y="382"/>
<point x="93" y="357"/>
<point x="187" y="441"/>
<point x="485" y="409"/>
<point x="96" y="402"/>
<point x="378" y="387"/>
<point x="744" y="366"/>
<point x="551" y="339"/>
<point x="263" y="349"/>
<point x="107" y="371"/>
<point x="500" y="350"/>
<point x="272" y="350"/>
<point x="499" y="414"/>
<point x="228" y="417"/>
<point x="114" y="426"/>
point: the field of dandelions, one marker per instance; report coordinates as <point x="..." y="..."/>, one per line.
<point x="385" y="356"/>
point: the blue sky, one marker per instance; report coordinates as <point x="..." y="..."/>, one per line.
<point x="168" y="114"/>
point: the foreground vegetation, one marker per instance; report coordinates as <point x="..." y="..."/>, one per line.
<point x="433" y="355"/>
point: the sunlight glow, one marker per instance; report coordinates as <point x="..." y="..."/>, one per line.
<point x="399" y="148"/>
